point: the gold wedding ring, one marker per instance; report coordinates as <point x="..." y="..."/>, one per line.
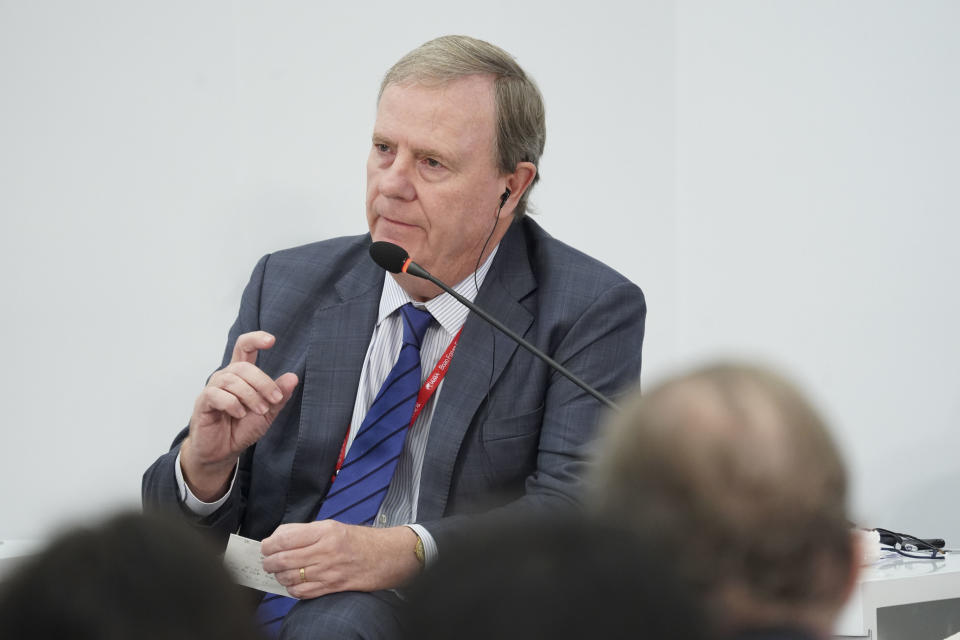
<point x="303" y="574"/>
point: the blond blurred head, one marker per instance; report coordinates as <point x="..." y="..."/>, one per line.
<point x="734" y="472"/>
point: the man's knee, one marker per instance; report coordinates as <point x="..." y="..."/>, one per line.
<point x="350" y="615"/>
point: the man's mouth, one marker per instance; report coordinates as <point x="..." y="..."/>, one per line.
<point x="399" y="223"/>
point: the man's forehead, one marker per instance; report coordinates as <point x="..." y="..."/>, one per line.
<point x="451" y="114"/>
<point x="471" y="97"/>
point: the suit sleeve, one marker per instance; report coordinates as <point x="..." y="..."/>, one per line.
<point x="159" y="490"/>
<point x="602" y="347"/>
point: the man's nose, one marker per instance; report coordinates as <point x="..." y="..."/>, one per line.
<point x="396" y="181"/>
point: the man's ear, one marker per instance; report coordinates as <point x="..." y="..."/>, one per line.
<point x="518" y="182"/>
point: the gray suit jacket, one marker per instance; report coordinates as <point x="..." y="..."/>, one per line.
<point x="507" y="432"/>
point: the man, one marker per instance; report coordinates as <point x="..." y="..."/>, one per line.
<point x="322" y="332"/>
<point x="737" y="477"/>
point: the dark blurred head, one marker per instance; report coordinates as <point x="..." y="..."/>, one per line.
<point x="731" y="464"/>
<point x="135" y="576"/>
<point x="556" y="580"/>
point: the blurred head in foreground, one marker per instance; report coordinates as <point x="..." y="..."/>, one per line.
<point x="135" y="576"/>
<point x="733" y="469"/>
<point x="553" y="580"/>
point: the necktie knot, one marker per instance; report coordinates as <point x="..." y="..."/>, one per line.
<point x="415" y="323"/>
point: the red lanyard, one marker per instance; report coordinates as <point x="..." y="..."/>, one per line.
<point x="426" y="392"/>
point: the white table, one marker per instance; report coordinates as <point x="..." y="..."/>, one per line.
<point x="931" y="586"/>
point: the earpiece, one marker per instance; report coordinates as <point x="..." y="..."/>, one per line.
<point x="504" y="196"/>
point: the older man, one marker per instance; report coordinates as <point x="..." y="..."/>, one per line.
<point x="318" y="425"/>
<point x="736" y="476"/>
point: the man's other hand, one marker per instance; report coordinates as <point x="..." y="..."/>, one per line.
<point x="339" y="557"/>
<point x="231" y="413"/>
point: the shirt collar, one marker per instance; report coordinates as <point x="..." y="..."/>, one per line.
<point x="445" y="308"/>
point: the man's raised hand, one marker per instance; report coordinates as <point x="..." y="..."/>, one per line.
<point x="231" y="413"/>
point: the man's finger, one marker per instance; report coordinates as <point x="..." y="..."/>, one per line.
<point x="251" y="399"/>
<point x="313" y="552"/>
<point x="286" y="383"/>
<point x="265" y="386"/>
<point x="287" y="563"/>
<point x="216" y="399"/>
<point x="308" y="590"/>
<point x="291" y="536"/>
<point x="247" y="345"/>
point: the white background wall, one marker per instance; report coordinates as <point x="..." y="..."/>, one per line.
<point x="777" y="176"/>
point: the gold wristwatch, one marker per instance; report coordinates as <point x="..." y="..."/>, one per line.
<point x="418" y="551"/>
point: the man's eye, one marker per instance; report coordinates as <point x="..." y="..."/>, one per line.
<point x="433" y="164"/>
<point x="382" y="148"/>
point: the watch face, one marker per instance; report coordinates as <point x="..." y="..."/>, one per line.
<point x="418" y="551"/>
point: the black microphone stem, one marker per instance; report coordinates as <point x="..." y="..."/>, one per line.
<point x="523" y="343"/>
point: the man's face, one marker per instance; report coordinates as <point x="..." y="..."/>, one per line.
<point x="432" y="182"/>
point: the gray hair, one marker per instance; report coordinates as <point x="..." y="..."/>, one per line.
<point x="735" y="469"/>
<point x="521" y="125"/>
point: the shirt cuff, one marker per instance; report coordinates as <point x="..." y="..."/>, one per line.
<point x="197" y="506"/>
<point x="430" y="551"/>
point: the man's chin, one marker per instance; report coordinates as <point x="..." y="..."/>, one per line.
<point x="401" y="239"/>
<point x="393" y="239"/>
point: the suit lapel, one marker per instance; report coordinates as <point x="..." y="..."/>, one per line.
<point x="341" y="328"/>
<point x="510" y="280"/>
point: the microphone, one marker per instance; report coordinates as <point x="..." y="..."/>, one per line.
<point x="395" y="259"/>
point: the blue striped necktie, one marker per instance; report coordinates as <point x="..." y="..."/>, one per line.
<point x="360" y="486"/>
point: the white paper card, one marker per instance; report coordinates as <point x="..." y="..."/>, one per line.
<point x="245" y="562"/>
